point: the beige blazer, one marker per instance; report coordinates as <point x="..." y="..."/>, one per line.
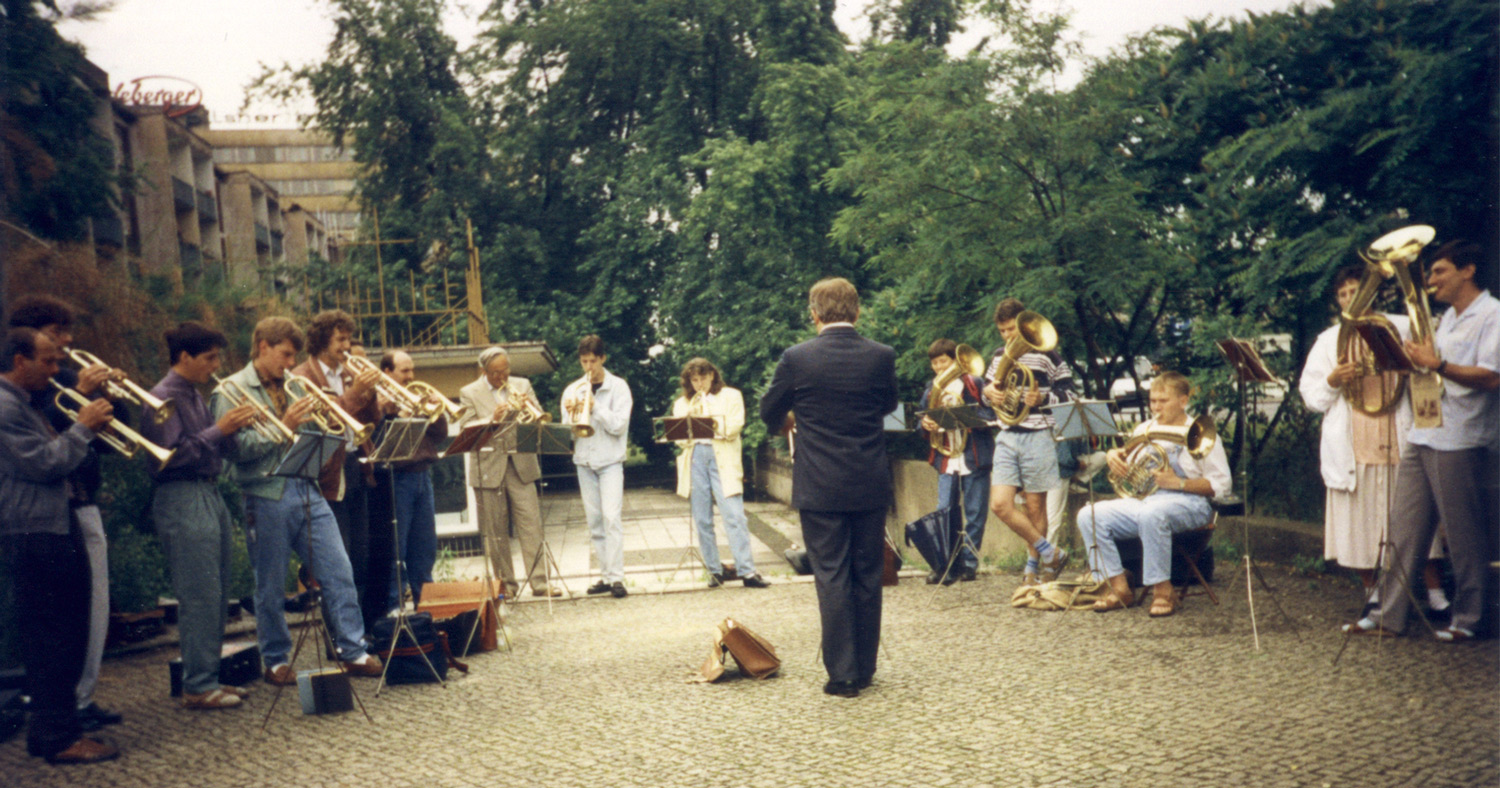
<point x="729" y="406"/>
<point x="492" y="461"/>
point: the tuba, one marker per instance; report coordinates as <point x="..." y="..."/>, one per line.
<point x="119" y="437"/>
<point x="1145" y="458"/>
<point x="1390" y="256"/>
<point x="580" y="412"/>
<point x="966" y="361"/>
<point x="125" y="389"/>
<point x="266" y="424"/>
<point x="327" y="413"/>
<point x="1034" y="334"/>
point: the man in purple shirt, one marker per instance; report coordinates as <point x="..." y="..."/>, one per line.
<point x="190" y="515"/>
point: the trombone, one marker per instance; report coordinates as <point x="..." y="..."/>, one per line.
<point x="266" y="425"/>
<point x="124" y="388"/>
<point x="327" y="413"/>
<point x="119" y="437"/>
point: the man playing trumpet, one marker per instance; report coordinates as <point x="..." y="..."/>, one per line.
<point x="504" y="480"/>
<point x="1179" y="503"/>
<point x="598" y="405"/>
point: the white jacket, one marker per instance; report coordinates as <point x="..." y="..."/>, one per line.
<point x="729" y="406"/>
<point x="1336" y="448"/>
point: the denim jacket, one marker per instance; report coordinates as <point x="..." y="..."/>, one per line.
<point x="34" y="466"/>
<point x="610" y="420"/>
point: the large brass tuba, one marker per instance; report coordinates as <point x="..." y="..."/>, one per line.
<point x="1392" y="255"/>
<point x="1034" y="333"/>
<point x="119" y="437"/>
<point x="1145" y="458"/>
<point x="966" y="361"/>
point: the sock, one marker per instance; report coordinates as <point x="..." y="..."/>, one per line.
<point x="1437" y="601"/>
<point x="1372" y="596"/>
<point x="1045" y="549"/>
<point x="1031" y="566"/>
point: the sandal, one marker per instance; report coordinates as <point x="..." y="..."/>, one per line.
<point x="213" y="699"/>
<point x="1163" y="606"/>
<point x="1113" y="601"/>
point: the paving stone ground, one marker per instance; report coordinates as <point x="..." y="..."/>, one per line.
<point x="970" y="692"/>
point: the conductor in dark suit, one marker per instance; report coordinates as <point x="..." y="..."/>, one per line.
<point x="841" y="386"/>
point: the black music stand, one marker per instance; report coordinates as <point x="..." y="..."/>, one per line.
<point x="671" y="429"/>
<point x="399" y="440"/>
<point x="305" y="460"/>
<point x="542" y="437"/>
<point x="1249" y="368"/>
<point x="1091" y="418"/>
<point x="953" y="418"/>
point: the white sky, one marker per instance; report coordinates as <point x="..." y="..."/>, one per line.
<point x="220" y="44"/>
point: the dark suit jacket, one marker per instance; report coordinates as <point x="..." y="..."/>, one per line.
<point x="841" y="386"/>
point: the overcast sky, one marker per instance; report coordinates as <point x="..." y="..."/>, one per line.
<point x="219" y="44"/>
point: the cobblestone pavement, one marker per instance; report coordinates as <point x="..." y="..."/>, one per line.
<point x="970" y="692"/>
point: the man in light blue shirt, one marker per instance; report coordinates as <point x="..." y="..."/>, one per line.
<point x="1449" y="473"/>
<point x="598" y="406"/>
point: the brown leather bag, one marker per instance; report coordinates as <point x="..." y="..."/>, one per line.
<point x="753" y="653"/>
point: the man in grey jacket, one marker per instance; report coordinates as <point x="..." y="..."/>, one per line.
<point x="43" y="543"/>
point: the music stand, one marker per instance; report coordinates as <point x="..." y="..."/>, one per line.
<point x="671" y="429"/>
<point x="305" y="460"/>
<point x="539" y="437"/>
<point x="400" y="439"/>
<point x="476" y="437"/>
<point x="1249" y="368"/>
<point x="957" y="417"/>
<point x="1090" y="418"/>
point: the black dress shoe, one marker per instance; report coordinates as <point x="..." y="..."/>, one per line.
<point x="600" y="587"/>
<point x="715" y="579"/>
<point x="932" y="578"/>
<point x="843" y="689"/>
<point x="755" y="581"/>
<point x="618" y="590"/>
<point x="967" y="576"/>
<point x="865" y="682"/>
<point x="951" y="578"/>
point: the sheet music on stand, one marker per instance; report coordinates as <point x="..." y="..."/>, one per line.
<point x="543" y="438"/>
<point x="399" y="440"/>
<point x="1082" y="419"/>
<point x="307" y="456"/>
<point x="1385" y="347"/>
<point x="958" y="417"/>
<point x="668" y="429"/>
<point x="1246" y="360"/>
<point x="474" y="437"/>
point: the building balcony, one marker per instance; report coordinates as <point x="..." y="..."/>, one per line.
<point x="192" y="258"/>
<point x="109" y="231"/>
<point x="183" y="195"/>
<point x="276" y="246"/>
<point x="262" y="236"/>
<point x="208" y="210"/>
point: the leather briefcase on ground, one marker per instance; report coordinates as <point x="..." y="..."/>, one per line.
<point x="753" y="653"/>
<point x="408" y="662"/>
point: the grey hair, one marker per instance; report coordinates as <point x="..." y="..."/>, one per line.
<point x="489" y="354"/>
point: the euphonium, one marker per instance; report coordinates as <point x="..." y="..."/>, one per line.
<point x="266" y="424"/>
<point x="966" y="361"/>
<point x="580" y="412"/>
<point x="1145" y="458"/>
<point x="327" y="413"/>
<point x="121" y="438"/>
<point x="1034" y="333"/>
<point x="125" y="388"/>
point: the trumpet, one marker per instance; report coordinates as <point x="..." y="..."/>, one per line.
<point x="579" y="408"/>
<point x="119" y="437"/>
<point x="126" y="389"/>
<point x="439" y="403"/>
<point x="527" y="409"/>
<point x="1145" y="458"/>
<point x="327" y="413"/>
<point x="413" y="400"/>
<point x="266" y="424"/>
<point x="1034" y="333"/>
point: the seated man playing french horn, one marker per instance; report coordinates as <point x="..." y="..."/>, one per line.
<point x="1158" y="499"/>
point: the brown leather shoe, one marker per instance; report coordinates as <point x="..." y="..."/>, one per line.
<point x="368" y="665"/>
<point x="281" y="675"/>
<point x="552" y="592"/>
<point x="85" y="750"/>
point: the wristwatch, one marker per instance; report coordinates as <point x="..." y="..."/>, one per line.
<point x="1442" y="366"/>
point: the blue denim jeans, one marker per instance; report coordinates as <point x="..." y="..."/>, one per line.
<point x="708" y="492"/>
<point x="416" y="531"/>
<point x="274" y="529"/>
<point x="1153" y="521"/>
<point x="972" y="504"/>
<point x="603" y="492"/>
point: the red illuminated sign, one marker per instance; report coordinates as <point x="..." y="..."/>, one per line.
<point x="175" y="95"/>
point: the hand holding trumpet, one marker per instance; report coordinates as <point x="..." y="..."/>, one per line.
<point x="96" y="414"/>
<point x="236" y="419"/>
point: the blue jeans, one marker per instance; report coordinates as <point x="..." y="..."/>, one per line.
<point x="1153" y="521"/>
<point x="416" y="531"/>
<point x="603" y="491"/>
<point x="708" y="491"/>
<point x="273" y="530"/>
<point x="973" y="505"/>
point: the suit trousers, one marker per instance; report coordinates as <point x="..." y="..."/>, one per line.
<point x="847" y="552"/>
<point x="353" y="517"/>
<point x="50" y="573"/>
<point x="198" y="535"/>
<point x="96" y="547"/>
<point x="512" y="506"/>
